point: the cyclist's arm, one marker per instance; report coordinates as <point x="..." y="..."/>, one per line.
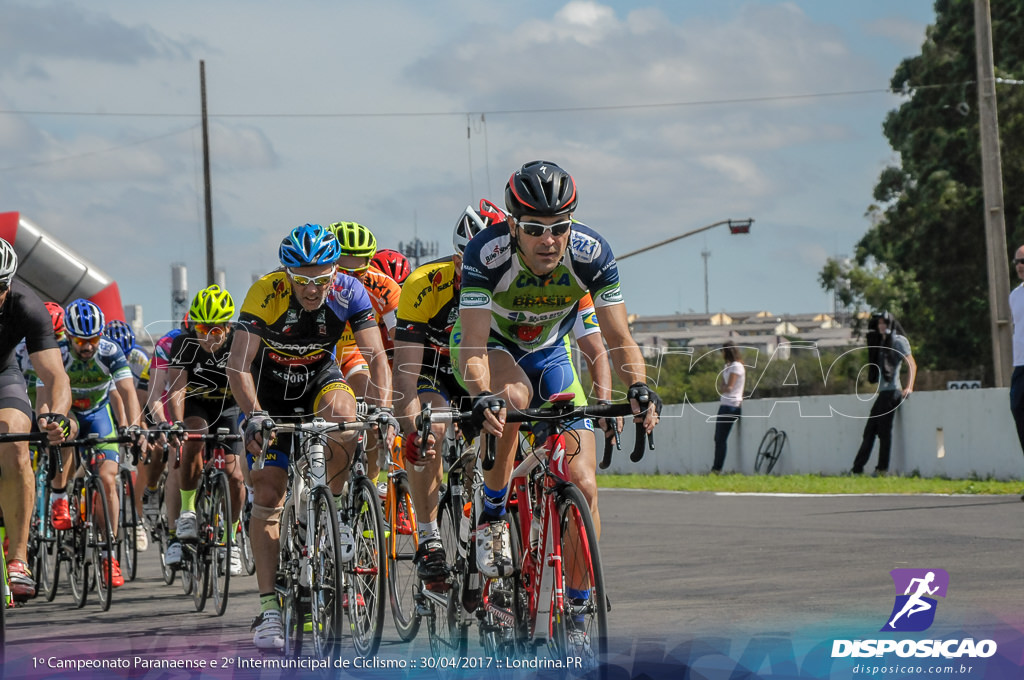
<point x="126" y="390"/>
<point x="176" y="381"/>
<point x="54" y="395"/>
<point x="408" y="361"/>
<point x="244" y="347"/>
<point x="625" y="354"/>
<point x="157" y="381"/>
<point x="372" y="348"/>
<point x="476" y="371"/>
<point x="117" y="405"/>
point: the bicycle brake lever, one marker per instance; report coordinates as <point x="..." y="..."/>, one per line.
<point x="638" y="446"/>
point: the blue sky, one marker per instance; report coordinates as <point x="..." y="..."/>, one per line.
<point x="683" y="113"/>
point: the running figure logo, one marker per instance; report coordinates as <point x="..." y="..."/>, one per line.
<point x="914" y="609"/>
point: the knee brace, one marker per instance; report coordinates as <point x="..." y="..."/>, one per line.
<point x="267" y="514"/>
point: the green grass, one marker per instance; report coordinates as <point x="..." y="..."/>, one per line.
<point x="810" y="484"/>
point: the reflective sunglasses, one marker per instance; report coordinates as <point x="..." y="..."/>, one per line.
<point x="318" y="281"/>
<point x="207" y="328"/>
<point x="82" y="342"/>
<point x="354" y="272"/>
<point x="537" y="229"/>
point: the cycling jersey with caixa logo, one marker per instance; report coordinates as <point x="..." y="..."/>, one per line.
<point x="295" y="344"/>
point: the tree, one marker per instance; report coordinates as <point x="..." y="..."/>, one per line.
<point x="928" y="232"/>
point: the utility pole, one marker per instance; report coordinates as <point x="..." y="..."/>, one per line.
<point x="706" y="254"/>
<point x="992" y="179"/>
<point x="210" y="274"/>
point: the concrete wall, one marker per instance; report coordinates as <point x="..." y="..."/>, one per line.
<point x="956" y="434"/>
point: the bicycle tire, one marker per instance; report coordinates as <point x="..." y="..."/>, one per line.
<point x="78" y="564"/>
<point x="195" y="552"/>
<point x="161" y="532"/>
<point x="287" y="584"/>
<point x="777" y="446"/>
<point x="102" y="540"/>
<point x="447" y="636"/>
<point x="49" y="552"/>
<point x="40" y="514"/>
<point x="764" y="448"/>
<point x="244" y="542"/>
<point x="325" y="591"/>
<point x="128" y="551"/>
<point x="402" y="545"/>
<point x="367" y="571"/>
<point x="218" y="534"/>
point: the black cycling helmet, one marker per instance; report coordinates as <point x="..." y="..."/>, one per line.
<point x="540" y="188"/>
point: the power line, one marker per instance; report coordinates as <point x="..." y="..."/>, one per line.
<point x="99" y="151"/>
<point x="507" y="112"/>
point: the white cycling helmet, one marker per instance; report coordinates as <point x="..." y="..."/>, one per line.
<point x="8" y="261"/>
<point x="469" y="225"/>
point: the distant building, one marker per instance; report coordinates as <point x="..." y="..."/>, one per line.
<point x="760" y="330"/>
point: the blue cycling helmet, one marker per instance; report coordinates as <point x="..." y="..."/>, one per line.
<point x="121" y="333"/>
<point x="310" y="244"/>
<point x="83" y="319"/>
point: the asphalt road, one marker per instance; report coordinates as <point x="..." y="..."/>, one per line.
<point x="679" y="567"/>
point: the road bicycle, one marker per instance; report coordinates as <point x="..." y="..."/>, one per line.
<point x="770" y="450"/>
<point x="42" y="535"/>
<point x="401" y="540"/>
<point x="552" y="539"/>
<point x="206" y="560"/>
<point x="128" y="518"/>
<point x="91" y="535"/>
<point x="314" y="577"/>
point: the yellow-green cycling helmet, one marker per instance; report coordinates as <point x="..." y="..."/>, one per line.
<point x="355" y="239"/>
<point x="211" y="305"/>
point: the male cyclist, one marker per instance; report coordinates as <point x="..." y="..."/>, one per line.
<point x="121" y="333"/>
<point x="200" y="397"/>
<point x="23" y="317"/>
<point x="427" y="312"/>
<point x="358" y="247"/>
<point x="281" y="359"/>
<point x="392" y="263"/>
<point x="96" y="366"/>
<point x="522" y="282"/>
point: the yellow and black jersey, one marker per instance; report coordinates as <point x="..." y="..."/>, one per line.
<point x="428" y="308"/>
<point x="296" y="344"/>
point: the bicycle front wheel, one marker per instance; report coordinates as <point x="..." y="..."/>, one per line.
<point x="77" y="545"/>
<point x="578" y="625"/>
<point x="402" y="546"/>
<point x="366" y="570"/>
<point x="49" y="551"/>
<point x="216" y="535"/>
<point x="326" y="579"/>
<point x="101" y="541"/>
<point x="126" y="547"/>
<point x="449" y="637"/>
<point x="244" y="543"/>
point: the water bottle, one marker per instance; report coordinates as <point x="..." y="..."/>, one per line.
<point x="465" y="530"/>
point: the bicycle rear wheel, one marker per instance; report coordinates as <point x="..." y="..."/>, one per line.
<point x="325" y="588"/>
<point x="78" y="562"/>
<point x="402" y="544"/>
<point x="101" y="540"/>
<point x="366" y="577"/>
<point x="216" y="532"/>
<point x="448" y="636"/>
<point x="244" y="543"/>
<point x="127" y="549"/>
<point x="578" y="627"/>
<point x="764" y="450"/>
<point x="777" y="445"/>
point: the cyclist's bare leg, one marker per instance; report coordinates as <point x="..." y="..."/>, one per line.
<point x="172" y="492"/>
<point x="236" y="485"/>
<point x="269" y="486"/>
<point x="17" y="484"/>
<point x="191" y="455"/>
<point x="583" y="471"/>
<point x="108" y="475"/>
<point x="517" y="392"/>
<point x="359" y="381"/>
<point x="425" y="482"/>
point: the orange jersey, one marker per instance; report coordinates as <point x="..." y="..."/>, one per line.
<point x="384" y="292"/>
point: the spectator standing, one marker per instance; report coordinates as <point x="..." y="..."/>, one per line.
<point x="731" y="382"/>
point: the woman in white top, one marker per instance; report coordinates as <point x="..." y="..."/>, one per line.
<point x="732" y="379"/>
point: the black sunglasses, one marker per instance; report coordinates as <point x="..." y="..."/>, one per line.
<point x="1018" y="260"/>
<point x="5" y="285"/>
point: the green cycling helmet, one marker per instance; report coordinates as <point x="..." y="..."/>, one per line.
<point x="211" y="305"/>
<point x="355" y="239"/>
